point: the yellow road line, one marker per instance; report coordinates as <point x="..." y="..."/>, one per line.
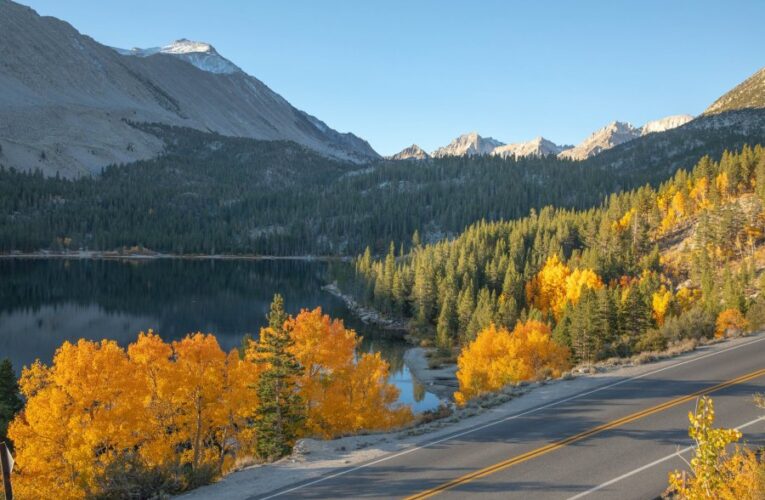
<point x="578" y="437"/>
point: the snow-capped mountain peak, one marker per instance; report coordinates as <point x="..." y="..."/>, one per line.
<point x="200" y="54"/>
<point x="469" y="144"/>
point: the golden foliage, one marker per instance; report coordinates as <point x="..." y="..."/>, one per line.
<point x="729" y="322"/>
<point x="185" y="405"/>
<point x="660" y="302"/>
<point x="498" y="357"/>
<point x="556" y="285"/>
<point x="714" y="473"/>
<point x="343" y="394"/>
<point x="686" y="298"/>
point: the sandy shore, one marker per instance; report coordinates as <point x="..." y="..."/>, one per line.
<point x="440" y="381"/>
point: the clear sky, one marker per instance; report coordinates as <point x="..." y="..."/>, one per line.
<point x="425" y="71"/>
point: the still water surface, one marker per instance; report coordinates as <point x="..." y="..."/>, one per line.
<point x="44" y="302"/>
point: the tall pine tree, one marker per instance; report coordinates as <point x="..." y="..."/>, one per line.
<point x="281" y="413"/>
<point x="10" y="401"/>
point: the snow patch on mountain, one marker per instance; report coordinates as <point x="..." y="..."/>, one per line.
<point x="199" y="54"/>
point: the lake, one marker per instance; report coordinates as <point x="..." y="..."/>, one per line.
<point x="44" y="302"/>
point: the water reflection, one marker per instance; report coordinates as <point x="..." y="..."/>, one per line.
<point x="44" y="302"/>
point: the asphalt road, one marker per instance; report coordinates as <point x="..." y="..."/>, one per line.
<point x="618" y="440"/>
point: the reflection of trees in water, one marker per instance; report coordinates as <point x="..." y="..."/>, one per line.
<point x="225" y="297"/>
<point x="392" y="350"/>
<point x="418" y="390"/>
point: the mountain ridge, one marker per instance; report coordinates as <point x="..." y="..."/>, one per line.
<point x="66" y="101"/>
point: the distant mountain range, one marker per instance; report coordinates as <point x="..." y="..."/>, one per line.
<point x="611" y="135"/>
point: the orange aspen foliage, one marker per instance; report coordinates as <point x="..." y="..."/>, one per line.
<point x="80" y="414"/>
<point x="730" y="322"/>
<point x="660" y="302"/>
<point x="581" y="278"/>
<point x="498" y="357"/>
<point x="556" y="285"/>
<point x="343" y="393"/>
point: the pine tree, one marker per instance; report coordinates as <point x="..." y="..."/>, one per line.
<point x="280" y="413"/>
<point x="10" y="401"/>
<point x="448" y="324"/>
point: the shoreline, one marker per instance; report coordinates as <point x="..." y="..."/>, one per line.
<point x="439" y="381"/>
<point x="368" y="315"/>
<point x="113" y="255"/>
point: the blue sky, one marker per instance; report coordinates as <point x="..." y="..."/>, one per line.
<point x="398" y="72"/>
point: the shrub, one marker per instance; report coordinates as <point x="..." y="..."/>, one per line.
<point x="755" y="315"/>
<point x="695" y="323"/>
<point x="730" y="322"/>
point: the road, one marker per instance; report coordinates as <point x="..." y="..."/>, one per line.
<point x="618" y="440"/>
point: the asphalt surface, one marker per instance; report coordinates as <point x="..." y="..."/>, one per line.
<point x="614" y="441"/>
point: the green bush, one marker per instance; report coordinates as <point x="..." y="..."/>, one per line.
<point x="693" y="324"/>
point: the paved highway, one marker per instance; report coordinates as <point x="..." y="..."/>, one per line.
<point x="618" y="440"/>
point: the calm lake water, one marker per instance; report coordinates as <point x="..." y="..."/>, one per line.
<point x="44" y="302"/>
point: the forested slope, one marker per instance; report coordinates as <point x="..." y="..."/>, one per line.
<point x="638" y="273"/>
<point x="212" y="194"/>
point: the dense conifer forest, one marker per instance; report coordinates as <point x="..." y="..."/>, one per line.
<point x="648" y="268"/>
<point x="211" y="194"/>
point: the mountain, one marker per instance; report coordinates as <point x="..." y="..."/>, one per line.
<point x="200" y="54"/>
<point x="616" y="133"/>
<point x="611" y="135"/>
<point x="535" y="147"/>
<point x="413" y="152"/>
<point x="664" y="124"/>
<point x="750" y="94"/>
<point x="470" y="144"/>
<point x="67" y="103"/>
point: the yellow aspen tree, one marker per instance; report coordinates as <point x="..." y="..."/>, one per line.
<point x="343" y="392"/>
<point x="660" y="301"/>
<point x="198" y="370"/>
<point x="498" y="357"/>
<point x="81" y="413"/>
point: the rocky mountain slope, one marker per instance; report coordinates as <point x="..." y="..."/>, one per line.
<point x="611" y="135"/>
<point x="535" y="147"/>
<point x="413" y="152"/>
<point x="749" y="94"/>
<point x="616" y="133"/>
<point x="66" y="100"/>
<point x="469" y="144"/>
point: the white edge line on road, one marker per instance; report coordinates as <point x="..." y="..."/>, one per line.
<point x="502" y="420"/>
<point x="648" y="466"/>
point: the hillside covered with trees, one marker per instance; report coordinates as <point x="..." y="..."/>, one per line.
<point x="650" y="267"/>
<point x="211" y="194"/>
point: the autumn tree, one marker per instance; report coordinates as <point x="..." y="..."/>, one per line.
<point x="498" y="357"/>
<point x="716" y="473"/>
<point x="343" y="392"/>
<point x="81" y="415"/>
<point x="730" y="322"/>
<point x="280" y="413"/>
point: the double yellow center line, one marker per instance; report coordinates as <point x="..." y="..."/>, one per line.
<point x="505" y="464"/>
